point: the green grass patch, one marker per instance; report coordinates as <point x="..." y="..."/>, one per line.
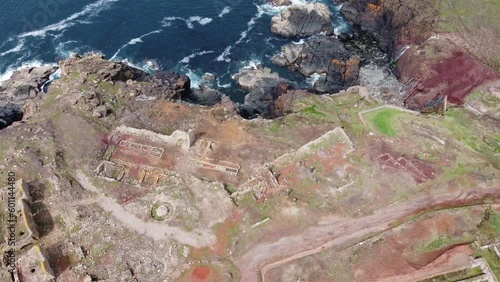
<point x="491" y="258"/>
<point x="109" y="88"/>
<point x="463" y="127"/>
<point x="445" y="241"/>
<point x="383" y="120"/>
<point x="311" y="110"/>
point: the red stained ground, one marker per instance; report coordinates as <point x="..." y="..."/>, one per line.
<point x="454" y="76"/>
<point x="200" y="273"/>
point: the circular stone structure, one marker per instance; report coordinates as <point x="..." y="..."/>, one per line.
<point x="161" y="211"/>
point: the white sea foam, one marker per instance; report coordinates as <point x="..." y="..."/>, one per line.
<point x="248" y="65"/>
<point x="52" y="77"/>
<point x="200" y="20"/>
<point x="227" y="85"/>
<point x="167" y="21"/>
<point x="300" y="42"/>
<point x="186" y="59"/>
<point x="273" y="10"/>
<point x="64" y="52"/>
<point x="251" y="65"/>
<point x="55" y="75"/>
<point x="134" y="41"/>
<point x="224" y="11"/>
<point x="223" y="57"/>
<point x="152" y="65"/>
<point x="195" y="78"/>
<point x="143" y="67"/>
<point x="147" y="65"/>
<point x="342" y="28"/>
<point x="17" y="48"/>
<point x="13" y="68"/>
<point x="89" y="10"/>
<point x="311" y="80"/>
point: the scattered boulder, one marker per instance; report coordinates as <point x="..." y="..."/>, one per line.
<point x="301" y="21"/>
<point x="22" y="86"/>
<point x="178" y="83"/>
<point x="249" y="79"/>
<point x="261" y="100"/>
<point x="205" y="96"/>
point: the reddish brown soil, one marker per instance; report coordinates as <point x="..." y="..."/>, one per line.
<point x="435" y="70"/>
<point x="334" y="231"/>
<point x="167" y="160"/>
<point x="200" y="273"/>
<point x="401" y="253"/>
<point x="223" y="233"/>
<point x="293" y="174"/>
<point x="395" y="162"/>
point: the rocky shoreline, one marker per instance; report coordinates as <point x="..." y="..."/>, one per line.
<point x="333" y="62"/>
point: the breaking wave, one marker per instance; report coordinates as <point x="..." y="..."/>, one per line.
<point x="90" y="10"/>
<point x="186" y="59"/>
<point x="167" y="21"/>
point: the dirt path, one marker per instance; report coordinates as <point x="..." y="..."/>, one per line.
<point x="335" y="231"/>
<point x="156" y="231"/>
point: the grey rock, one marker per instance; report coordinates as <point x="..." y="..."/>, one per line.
<point x="301" y="21"/>
<point x="22" y="86"/>
<point x="251" y="78"/>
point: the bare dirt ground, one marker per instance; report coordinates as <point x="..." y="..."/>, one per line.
<point x="335" y="231"/>
<point x="156" y="231"/>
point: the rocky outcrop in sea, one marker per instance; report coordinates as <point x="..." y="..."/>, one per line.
<point x="325" y="56"/>
<point x="301" y="21"/>
<point x="265" y="89"/>
<point x="22" y="86"/>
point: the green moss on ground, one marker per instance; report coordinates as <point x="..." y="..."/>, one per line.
<point x="312" y="111"/>
<point x="491" y="258"/>
<point x="446" y="241"/>
<point x="383" y="120"/>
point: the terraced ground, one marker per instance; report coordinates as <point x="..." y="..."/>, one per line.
<point x="477" y="29"/>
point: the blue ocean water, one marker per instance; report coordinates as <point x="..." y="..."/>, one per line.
<point x="191" y="37"/>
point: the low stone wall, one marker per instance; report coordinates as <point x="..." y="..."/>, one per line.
<point x="184" y="139"/>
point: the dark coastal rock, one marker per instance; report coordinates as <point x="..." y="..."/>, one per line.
<point x="433" y="70"/>
<point x="324" y="55"/>
<point x="205" y="96"/>
<point x="178" y="83"/>
<point x="265" y="88"/>
<point x="301" y="21"/>
<point x="22" y="86"/>
<point x="261" y="100"/>
<point x="392" y="23"/>
<point x="366" y="47"/>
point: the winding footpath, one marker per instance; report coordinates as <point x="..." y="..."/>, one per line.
<point x="157" y="231"/>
